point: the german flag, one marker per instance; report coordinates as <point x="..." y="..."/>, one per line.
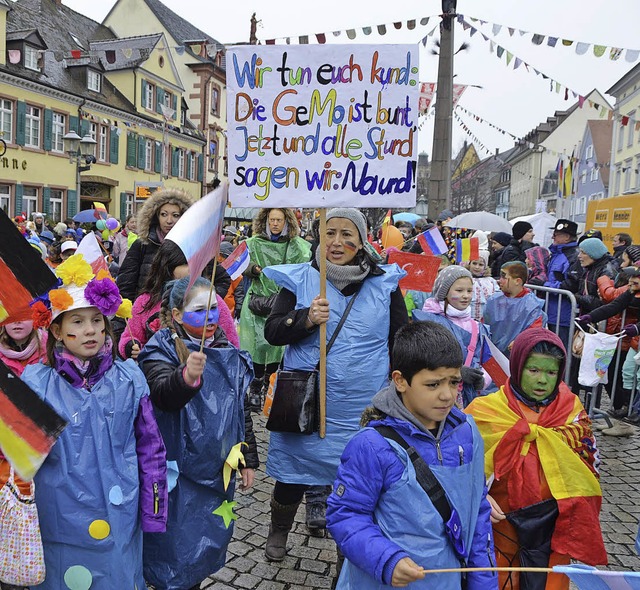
<point x="23" y="274"/>
<point x="29" y="427"/>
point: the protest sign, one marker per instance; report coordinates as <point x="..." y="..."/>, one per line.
<point x="323" y="126"/>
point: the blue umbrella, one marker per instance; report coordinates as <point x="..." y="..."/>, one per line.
<point x="89" y="216"/>
<point x="409" y="217"/>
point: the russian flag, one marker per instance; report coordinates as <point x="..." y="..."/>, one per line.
<point x="586" y="577"/>
<point x="198" y="232"/>
<point x="238" y="261"/>
<point x="495" y="363"/>
<point x="467" y="249"/>
<point x="432" y="242"/>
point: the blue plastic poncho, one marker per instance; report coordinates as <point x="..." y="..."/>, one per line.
<point x="357" y="368"/>
<point x="90" y="476"/>
<point x="421" y="532"/>
<point x="198" y="438"/>
<point x="509" y="316"/>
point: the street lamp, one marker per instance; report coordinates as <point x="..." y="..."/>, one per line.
<point x="80" y="151"/>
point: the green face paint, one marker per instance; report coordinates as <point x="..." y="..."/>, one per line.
<point x="539" y="376"/>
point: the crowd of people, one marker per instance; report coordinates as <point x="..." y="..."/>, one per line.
<point x="158" y="374"/>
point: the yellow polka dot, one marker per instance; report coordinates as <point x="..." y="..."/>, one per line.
<point x="99" y="529"/>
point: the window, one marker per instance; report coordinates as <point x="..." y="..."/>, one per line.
<point x="589" y="152"/>
<point x="616" y="186"/>
<point x="56" y="205"/>
<point x="31" y="56"/>
<point x="626" y="170"/>
<point x="6" y="120"/>
<point x="94" y="81"/>
<point x="180" y="163"/>
<point x="148" y="154"/>
<point x="93" y="133"/>
<point x="32" y="127"/>
<point x="192" y="166"/>
<point x="595" y="174"/>
<point x="57" y="132"/>
<point x="631" y="127"/>
<point x="213" y="155"/>
<point x="583" y="206"/>
<point x="148" y="96"/>
<point x="103" y="144"/>
<point x="620" y="137"/>
<point x="5" y="198"/>
<point x="636" y="173"/>
<point x="215" y="100"/>
<point x="583" y="177"/>
<point x="30" y="201"/>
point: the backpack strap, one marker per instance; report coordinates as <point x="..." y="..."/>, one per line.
<point x="425" y="477"/>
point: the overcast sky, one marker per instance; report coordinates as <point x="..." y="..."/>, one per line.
<point x="516" y="101"/>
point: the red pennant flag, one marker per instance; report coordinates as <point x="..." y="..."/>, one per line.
<point x="421" y="270"/>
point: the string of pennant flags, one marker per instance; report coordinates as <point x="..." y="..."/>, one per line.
<point x="351" y="34"/>
<point x="581" y="47"/>
<point x="110" y="56"/>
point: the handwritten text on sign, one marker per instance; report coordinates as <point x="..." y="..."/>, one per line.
<point x="325" y="125"/>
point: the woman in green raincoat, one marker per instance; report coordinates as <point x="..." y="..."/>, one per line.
<point x="275" y="240"/>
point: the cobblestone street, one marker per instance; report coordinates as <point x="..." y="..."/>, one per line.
<point x="311" y="562"/>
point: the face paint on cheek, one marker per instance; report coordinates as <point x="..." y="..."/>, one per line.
<point x="200" y="319"/>
<point x="350" y="246"/>
<point x="71" y="336"/>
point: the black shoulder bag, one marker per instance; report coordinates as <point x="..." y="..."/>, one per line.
<point x="296" y="396"/>
<point x="431" y="486"/>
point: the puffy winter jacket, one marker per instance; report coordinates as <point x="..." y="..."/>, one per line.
<point x="372" y="476"/>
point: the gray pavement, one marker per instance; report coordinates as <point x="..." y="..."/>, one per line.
<point x="311" y="562"/>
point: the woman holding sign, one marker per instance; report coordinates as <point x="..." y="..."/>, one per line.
<point x="275" y="240"/>
<point x="367" y="296"/>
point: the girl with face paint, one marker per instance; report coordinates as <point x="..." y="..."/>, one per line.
<point x="205" y="421"/>
<point x="541" y="457"/>
<point x="109" y="464"/>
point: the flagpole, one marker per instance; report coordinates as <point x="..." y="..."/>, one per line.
<point x="455" y="570"/>
<point x="323" y="327"/>
<point x="211" y="288"/>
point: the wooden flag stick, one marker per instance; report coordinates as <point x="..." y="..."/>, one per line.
<point x="454" y="570"/>
<point x="211" y="290"/>
<point x="323" y="327"/>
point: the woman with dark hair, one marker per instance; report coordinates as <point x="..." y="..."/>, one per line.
<point x="168" y="264"/>
<point x="357" y="364"/>
<point x="157" y="216"/>
<point x="275" y="240"/>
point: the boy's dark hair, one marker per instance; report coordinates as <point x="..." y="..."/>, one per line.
<point x="626" y="239"/>
<point x="516" y="270"/>
<point x="424" y="345"/>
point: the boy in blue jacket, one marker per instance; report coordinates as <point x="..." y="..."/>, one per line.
<point x="388" y="527"/>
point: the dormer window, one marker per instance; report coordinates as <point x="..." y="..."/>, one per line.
<point x="31" y="56"/>
<point x="94" y="80"/>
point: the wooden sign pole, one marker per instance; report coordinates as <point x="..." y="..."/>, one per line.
<point x="323" y="327"/>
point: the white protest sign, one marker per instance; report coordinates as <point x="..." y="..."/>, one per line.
<point x="322" y="125"/>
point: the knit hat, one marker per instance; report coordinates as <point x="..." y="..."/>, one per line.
<point x="520" y="228"/>
<point x="226" y="248"/>
<point x="503" y="238"/>
<point x="353" y="215"/>
<point x="594" y="248"/>
<point x="633" y="252"/>
<point x="446" y="277"/>
<point x="81" y="288"/>
<point x="446" y="214"/>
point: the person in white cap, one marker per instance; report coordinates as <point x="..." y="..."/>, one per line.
<point x="68" y="248"/>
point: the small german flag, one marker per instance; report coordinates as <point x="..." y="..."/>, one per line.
<point x="29" y="427"/>
<point x="23" y="274"/>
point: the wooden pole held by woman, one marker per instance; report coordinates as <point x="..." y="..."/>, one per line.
<point x="323" y="327"/>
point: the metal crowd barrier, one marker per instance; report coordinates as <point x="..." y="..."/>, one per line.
<point x="555" y="321"/>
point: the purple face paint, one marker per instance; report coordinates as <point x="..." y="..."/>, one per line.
<point x="200" y="319"/>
